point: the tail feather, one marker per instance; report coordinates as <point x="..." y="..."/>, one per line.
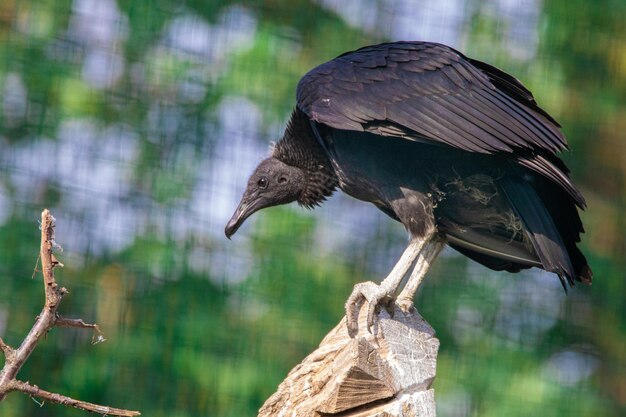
<point x="541" y="229"/>
<point x="567" y="221"/>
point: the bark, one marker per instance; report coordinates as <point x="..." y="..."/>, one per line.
<point x="386" y="374"/>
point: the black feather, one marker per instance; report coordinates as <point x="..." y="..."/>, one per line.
<point x="540" y="227"/>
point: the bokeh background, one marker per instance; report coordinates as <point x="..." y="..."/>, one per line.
<point x="137" y="123"/>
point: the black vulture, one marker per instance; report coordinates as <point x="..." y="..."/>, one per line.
<point x="455" y="149"/>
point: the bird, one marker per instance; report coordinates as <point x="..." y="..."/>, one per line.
<point x="455" y="149"/>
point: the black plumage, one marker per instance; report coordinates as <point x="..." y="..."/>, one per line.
<point x="455" y="149"/>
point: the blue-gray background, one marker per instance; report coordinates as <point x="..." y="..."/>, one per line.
<point x="137" y="123"/>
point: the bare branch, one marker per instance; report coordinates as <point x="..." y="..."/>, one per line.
<point x="47" y="319"/>
<point x="6" y="349"/>
<point x="54" y="294"/>
<point x="35" y="391"/>
<point x="97" y="337"/>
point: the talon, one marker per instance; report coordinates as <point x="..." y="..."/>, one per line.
<point x="352" y="320"/>
<point x="352" y="328"/>
<point x="372" y="310"/>
<point x="353" y="305"/>
<point x="374" y="295"/>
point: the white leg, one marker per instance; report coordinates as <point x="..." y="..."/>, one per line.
<point x="424" y="260"/>
<point x="373" y="294"/>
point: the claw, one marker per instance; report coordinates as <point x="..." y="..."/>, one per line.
<point x="368" y="292"/>
<point x="372" y="310"/>
<point x="352" y="315"/>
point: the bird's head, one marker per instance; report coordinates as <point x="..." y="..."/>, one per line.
<point x="272" y="183"/>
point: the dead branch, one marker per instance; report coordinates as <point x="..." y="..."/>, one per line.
<point x="35" y="391"/>
<point x="47" y="319"/>
<point x="97" y="337"/>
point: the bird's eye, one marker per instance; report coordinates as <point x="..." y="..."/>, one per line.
<point x="262" y="183"/>
<point x="282" y="180"/>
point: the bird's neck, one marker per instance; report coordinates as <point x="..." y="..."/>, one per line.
<point x="299" y="148"/>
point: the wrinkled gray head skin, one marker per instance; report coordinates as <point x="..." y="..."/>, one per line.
<point x="272" y="183"/>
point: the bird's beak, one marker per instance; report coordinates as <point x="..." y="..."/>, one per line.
<point x="243" y="211"/>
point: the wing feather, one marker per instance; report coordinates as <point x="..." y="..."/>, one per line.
<point x="381" y="82"/>
<point x="430" y="92"/>
<point x="489" y="126"/>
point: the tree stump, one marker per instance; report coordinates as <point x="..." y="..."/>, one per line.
<point x="388" y="373"/>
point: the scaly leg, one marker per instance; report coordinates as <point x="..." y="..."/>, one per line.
<point x="373" y="294"/>
<point x="424" y="260"/>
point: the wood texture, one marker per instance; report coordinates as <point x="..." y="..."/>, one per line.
<point x="385" y="374"/>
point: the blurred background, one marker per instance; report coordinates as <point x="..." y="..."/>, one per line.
<point x="137" y="124"/>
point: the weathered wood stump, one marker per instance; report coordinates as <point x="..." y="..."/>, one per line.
<point x="388" y="373"/>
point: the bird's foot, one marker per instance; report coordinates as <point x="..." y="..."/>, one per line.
<point x="374" y="296"/>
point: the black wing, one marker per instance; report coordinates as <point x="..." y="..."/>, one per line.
<point x="427" y="91"/>
<point x="430" y="90"/>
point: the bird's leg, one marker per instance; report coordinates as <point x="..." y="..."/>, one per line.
<point x="424" y="260"/>
<point x="373" y="294"/>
